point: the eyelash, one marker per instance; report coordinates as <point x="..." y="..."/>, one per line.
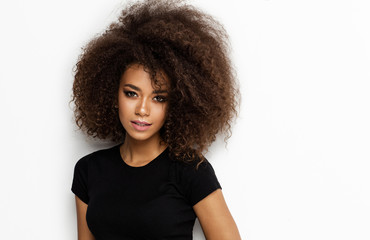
<point x="162" y="98"/>
<point x="129" y="93"/>
<point x="157" y="98"/>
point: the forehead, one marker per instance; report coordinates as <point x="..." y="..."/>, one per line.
<point x="137" y="74"/>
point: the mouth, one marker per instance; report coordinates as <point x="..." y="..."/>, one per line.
<point x="140" y="126"/>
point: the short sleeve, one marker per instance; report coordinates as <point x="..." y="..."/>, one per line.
<point x="80" y="180"/>
<point x="200" y="182"/>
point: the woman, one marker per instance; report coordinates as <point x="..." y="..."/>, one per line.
<point x="159" y="84"/>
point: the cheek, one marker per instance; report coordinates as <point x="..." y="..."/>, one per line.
<point x="124" y="108"/>
<point x="160" y="112"/>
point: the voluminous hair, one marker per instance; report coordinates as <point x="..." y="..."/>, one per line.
<point x="189" y="46"/>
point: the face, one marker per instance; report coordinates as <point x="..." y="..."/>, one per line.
<point x="142" y="108"/>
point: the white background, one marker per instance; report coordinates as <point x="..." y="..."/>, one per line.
<point x="297" y="165"/>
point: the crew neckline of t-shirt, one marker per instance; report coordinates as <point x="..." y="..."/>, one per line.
<point x="152" y="162"/>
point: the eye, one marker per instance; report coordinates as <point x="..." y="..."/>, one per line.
<point x="130" y="94"/>
<point x="160" y="98"/>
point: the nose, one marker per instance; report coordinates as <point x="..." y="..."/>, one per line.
<point x="143" y="108"/>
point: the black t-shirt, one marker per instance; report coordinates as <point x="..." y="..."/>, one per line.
<point x="149" y="202"/>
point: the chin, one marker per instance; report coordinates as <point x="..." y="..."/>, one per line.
<point x="141" y="136"/>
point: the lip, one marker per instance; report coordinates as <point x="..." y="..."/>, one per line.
<point x="141" y="122"/>
<point x="136" y="125"/>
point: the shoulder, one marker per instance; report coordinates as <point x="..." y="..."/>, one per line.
<point x="195" y="167"/>
<point x="199" y="171"/>
<point x="96" y="156"/>
<point x="196" y="182"/>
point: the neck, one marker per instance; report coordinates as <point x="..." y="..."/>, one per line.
<point x="137" y="153"/>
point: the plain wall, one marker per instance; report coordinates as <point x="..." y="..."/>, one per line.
<point x="297" y="165"/>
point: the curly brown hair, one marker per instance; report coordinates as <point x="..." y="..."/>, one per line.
<point x="189" y="46"/>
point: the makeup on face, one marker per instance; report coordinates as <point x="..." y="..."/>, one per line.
<point x="142" y="106"/>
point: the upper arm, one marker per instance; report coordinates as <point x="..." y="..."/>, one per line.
<point x="215" y="218"/>
<point x="83" y="230"/>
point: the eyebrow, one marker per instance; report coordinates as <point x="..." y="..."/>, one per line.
<point x="138" y="89"/>
<point x="132" y="86"/>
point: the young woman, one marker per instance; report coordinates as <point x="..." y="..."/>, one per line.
<point x="159" y="84"/>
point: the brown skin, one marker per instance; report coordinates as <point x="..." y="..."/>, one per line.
<point x="168" y="43"/>
<point x="215" y="218"/>
<point x="82" y="228"/>
<point x="139" y="101"/>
